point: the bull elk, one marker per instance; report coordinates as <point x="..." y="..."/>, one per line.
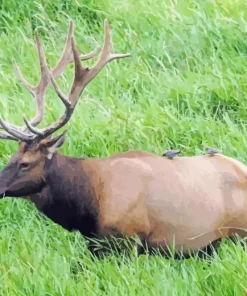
<point x="186" y="201"/>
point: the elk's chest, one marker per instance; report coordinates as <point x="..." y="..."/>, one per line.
<point x="66" y="213"/>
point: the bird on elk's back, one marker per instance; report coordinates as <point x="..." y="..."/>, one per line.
<point x="170" y="154"/>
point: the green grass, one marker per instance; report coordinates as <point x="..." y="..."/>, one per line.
<point x="184" y="86"/>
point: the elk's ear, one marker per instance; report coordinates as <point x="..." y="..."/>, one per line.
<point x="49" y="147"/>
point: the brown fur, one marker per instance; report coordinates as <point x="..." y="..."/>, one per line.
<point x="198" y="199"/>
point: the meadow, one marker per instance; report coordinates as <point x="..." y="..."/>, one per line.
<point x="184" y="87"/>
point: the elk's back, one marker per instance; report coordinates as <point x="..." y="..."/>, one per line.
<point x="189" y="197"/>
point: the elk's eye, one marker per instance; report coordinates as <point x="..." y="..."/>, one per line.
<point x="24" y="165"/>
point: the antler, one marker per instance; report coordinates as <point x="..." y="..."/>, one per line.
<point x="82" y="77"/>
<point x="38" y="92"/>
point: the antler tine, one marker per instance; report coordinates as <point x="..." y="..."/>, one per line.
<point x="82" y="77"/>
<point x="14" y="131"/>
<point x="43" y="83"/>
<point x="28" y="86"/>
<point x="6" y="136"/>
<point x="106" y="55"/>
<point x="67" y="56"/>
<point x="37" y="91"/>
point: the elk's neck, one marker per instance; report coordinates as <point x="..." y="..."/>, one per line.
<point x="69" y="196"/>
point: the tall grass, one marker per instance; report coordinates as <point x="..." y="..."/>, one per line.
<point x="183" y="87"/>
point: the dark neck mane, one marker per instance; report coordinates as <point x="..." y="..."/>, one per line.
<point x="68" y="197"/>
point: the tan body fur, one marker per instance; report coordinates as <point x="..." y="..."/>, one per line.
<point x="194" y="198"/>
<point x="186" y="197"/>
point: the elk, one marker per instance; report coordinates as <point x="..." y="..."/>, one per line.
<point x="187" y="202"/>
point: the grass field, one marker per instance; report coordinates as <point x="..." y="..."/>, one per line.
<point x="184" y="86"/>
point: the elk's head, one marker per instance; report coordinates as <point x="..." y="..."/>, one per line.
<point x="25" y="174"/>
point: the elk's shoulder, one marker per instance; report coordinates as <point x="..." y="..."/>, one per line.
<point x="130" y="164"/>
